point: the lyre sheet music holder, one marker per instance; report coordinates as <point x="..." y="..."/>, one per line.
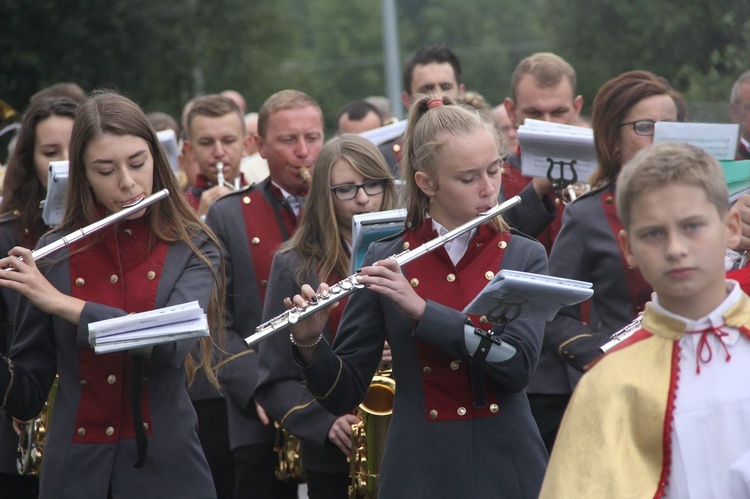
<point x="570" y="147"/>
<point x="512" y="295"/>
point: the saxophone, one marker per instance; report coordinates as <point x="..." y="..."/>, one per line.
<point x="286" y="447"/>
<point x="368" y="436"/>
<point x="33" y="437"/>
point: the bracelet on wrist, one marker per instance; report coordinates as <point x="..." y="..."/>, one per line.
<point x="305" y="345"/>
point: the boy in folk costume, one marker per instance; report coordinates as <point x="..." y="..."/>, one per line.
<point x="665" y="413"/>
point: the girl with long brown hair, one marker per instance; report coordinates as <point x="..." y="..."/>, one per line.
<point x="123" y="424"/>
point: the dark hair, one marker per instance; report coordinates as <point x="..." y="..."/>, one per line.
<point x="213" y="106"/>
<point x="162" y="121"/>
<point x="171" y="220"/>
<point x="611" y="104"/>
<point x="69" y="90"/>
<point x="356" y="110"/>
<point x="427" y="55"/>
<point x="22" y="189"/>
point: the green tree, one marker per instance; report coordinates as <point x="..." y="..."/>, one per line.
<point x="696" y="44"/>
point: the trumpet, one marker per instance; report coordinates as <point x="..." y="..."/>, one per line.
<point x="305" y="176"/>
<point x="220" y="180"/>
<point x="351" y="284"/>
<point x="621" y="335"/>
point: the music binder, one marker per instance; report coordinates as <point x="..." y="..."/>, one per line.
<point x="168" y="140"/>
<point x="148" y="328"/>
<point x="370" y="227"/>
<point x="512" y="294"/>
<point x="53" y="206"/>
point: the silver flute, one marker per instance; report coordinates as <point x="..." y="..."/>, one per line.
<point x="66" y="241"/>
<point x="350" y="284"/>
<point x="621" y="335"/>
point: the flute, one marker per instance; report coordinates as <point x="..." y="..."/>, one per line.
<point x="350" y="284"/>
<point x="66" y="241"/>
<point x="621" y="335"/>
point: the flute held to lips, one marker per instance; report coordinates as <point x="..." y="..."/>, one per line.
<point x="351" y="284"/>
<point x="128" y="210"/>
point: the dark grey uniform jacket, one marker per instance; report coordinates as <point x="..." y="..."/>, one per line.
<point x="244" y="309"/>
<point x="281" y="390"/>
<point x="585" y="249"/>
<point x="498" y="456"/>
<point x="175" y="466"/>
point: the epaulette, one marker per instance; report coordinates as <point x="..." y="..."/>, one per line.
<point x="10" y="216"/>
<point x="592" y="192"/>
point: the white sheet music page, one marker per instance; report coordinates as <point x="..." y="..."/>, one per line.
<point x="541" y="140"/>
<point x="152" y="327"/>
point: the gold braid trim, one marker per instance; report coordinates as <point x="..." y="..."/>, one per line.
<point x="335" y="382"/>
<point x="295" y="408"/>
<point x="233" y="357"/>
<point x="10" y="384"/>
<point x="568" y="342"/>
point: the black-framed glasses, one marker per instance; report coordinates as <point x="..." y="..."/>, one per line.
<point x="642" y="127"/>
<point x="348" y="192"/>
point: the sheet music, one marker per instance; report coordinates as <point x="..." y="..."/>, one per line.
<point x="149" y="328"/>
<point x="717" y="139"/>
<point x="370" y="227"/>
<point x="541" y="140"/>
<point x="539" y="297"/>
<point x="385" y="133"/>
<point x="53" y="210"/>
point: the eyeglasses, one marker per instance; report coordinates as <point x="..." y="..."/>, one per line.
<point x="642" y="127"/>
<point x="348" y="192"/>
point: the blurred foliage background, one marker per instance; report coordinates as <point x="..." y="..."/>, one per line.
<point x="161" y="53"/>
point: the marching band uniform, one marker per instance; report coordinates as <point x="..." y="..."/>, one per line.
<point x="194" y="192"/>
<point x="439" y="443"/>
<point x="96" y="437"/>
<point x="251" y="224"/>
<point x="280" y="389"/>
<point x="538" y="218"/>
<point x="208" y="401"/>
<point x="663" y="414"/>
<point x="8" y="301"/>
<point x="586" y="249"/>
